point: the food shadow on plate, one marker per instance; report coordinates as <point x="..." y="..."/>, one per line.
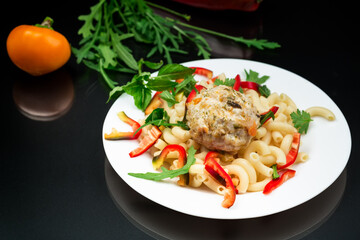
<point x="163" y="223"/>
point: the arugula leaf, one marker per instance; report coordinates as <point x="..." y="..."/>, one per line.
<point x="111" y="22"/>
<point x="88" y="27"/>
<point x="301" y="120"/>
<point x="151" y="65"/>
<point x="107" y="79"/>
<point x="122" y="52"/>
<point x="157" y="176"/>
<point x="108" y="55"/>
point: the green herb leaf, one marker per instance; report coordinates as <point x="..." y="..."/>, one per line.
<point x="253" y="76"/>
<point x="88" y="27"/>
<point x="301" y="120"/>
<point x="160" y="84"/>
<point x="115" y="93"/>
<point x="187" y="85"/>
<point x="107" y="79"/>
<point x="228" y="82"/>
<point x="173" y="72"/>
<point x="265" y="117"/>
<point x="108" y="54"/>
<point x="157" y="114"/>
<point x="159" y="117"/>
<point x="151" y="65"/>
<point x="123" y="53"/>
<point x="109" y="25"/>
<point x="157" y="176"/>
<point x="169" y="98"/>
<point x="257" y="43"/>
<point x="264" y="90"/>
<point x="141" y="94"/>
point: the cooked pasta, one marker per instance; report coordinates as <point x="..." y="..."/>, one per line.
<point x="322" y="112"/>
<point x="250" y="167"/>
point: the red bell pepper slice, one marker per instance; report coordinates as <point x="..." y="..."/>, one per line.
<point x="203" y="72"/>
<point x="115" y="135"/>
<point x="237" y="83"/>
<point x="214" y="168"/>
<point x="212" y="154"/>
<point x="244" y="84"/>
<point x="217" y="156"/>
<point x="193" y="93"/>
<point x="155" y="102"/>
<point x="250" y="85"/>
<point x="159" y="160"/>
<point x="275" y="183"/>
<point x="273" y="109"/>
<point x="147" y="142"/>
<point x="291" y="156"/>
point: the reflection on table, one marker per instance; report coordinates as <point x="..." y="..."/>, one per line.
<point x="44" y="98"/>
<point x="163" y="223"/>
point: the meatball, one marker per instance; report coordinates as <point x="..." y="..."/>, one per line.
<point x="219" y="118"/>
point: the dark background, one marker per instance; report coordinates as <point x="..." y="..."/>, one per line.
<point x="55" y="181"/>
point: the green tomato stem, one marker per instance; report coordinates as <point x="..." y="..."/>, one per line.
<point x="47" y="23"/>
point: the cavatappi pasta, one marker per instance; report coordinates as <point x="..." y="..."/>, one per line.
<point x="250" y="168"/>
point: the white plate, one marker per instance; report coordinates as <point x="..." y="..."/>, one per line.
<point x="327" y="142"/>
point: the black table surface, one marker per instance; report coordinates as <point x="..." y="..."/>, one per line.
<point x="55" y="179"/>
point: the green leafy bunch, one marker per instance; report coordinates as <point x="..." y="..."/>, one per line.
<point x="114" y="29"/>
<point x="111" y="22"/>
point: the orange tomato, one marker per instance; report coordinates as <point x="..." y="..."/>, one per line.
<point x="37" y="50"/>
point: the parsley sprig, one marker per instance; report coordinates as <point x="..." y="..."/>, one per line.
<point x="227" y="82"/>
<point x="301" y="120"/>
<point x="253" y="76"/>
